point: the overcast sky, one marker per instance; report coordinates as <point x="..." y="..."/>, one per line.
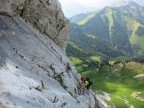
<point x="73" y="7"/>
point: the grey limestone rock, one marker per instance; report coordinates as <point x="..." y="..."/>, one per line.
<point x="33" y="63"/>
<point x="45" y="15"/>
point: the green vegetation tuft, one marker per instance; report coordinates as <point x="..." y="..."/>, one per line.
<point x="84" y="21"/>
<point x="112" y="62"/>
<point x="91" y="36"/>
<point x="75" y="46"/>
<point x="75" y="60"/>
<point x="109" y="15"/>
<point x="95" y="58"/>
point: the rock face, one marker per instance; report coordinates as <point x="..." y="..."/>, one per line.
<point x="46" y="15"/>
<point x="34" y="70"/>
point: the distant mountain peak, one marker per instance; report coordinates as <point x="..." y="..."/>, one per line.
<point x="119" y="4"/>
<point x="124" y="3"/>
<point x="132" y="3"/>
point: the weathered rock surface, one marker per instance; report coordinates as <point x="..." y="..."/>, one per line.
<point x="46" y="15"/>
<point x="34" y="70"/>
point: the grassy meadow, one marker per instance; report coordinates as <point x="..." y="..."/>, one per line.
<point x="120" y="84"/>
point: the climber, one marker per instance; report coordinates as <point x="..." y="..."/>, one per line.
<point x="85" y="83"/>
<point x="82" y="85"/>
<point x="88" y="83"/>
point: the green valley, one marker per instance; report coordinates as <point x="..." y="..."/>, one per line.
<point x="112" y="31"/>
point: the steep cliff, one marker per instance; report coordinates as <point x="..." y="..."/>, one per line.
<point x="34" y="69"/>
<point x="46" y="15"/>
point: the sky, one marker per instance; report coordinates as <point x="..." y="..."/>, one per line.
<point x="73" y="7"/>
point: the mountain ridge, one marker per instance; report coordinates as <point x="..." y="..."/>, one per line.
<point x="119" y="26"/>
